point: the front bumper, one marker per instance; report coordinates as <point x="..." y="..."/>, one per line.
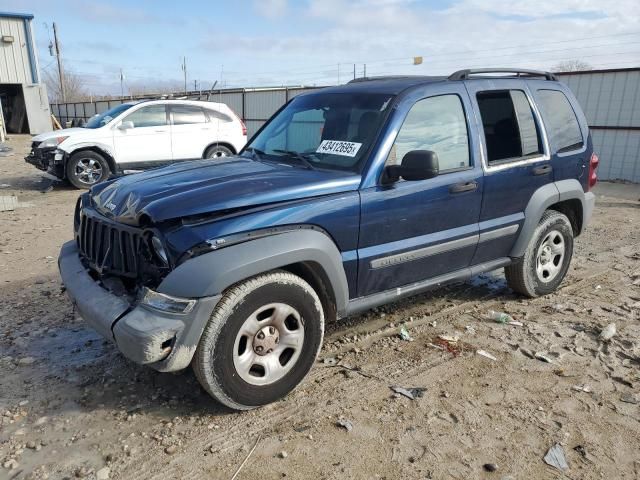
<point x="51" y="160"/>
<point x="164" y="341"/>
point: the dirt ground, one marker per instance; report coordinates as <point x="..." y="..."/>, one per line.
<point x="72" y="407"/>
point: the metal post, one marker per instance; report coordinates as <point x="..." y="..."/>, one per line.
<point x="354" y="71"/>
<point x="365" y="70"/>
<point x="58" y="57"/>
<point x="184" y="69"/>
<point x="121" y="84"/>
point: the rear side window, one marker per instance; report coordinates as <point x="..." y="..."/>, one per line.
<point x="184" y="115"/>
<point x="562" y="125"/>
<point x="151" y="116"/>
<point x="216" y="115"/>
<point x="510" y="128"/>
<point x="437" y="124"/>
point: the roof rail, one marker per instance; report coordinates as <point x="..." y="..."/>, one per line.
<point x="380" y="77"/>
<point x="464" y="74"/>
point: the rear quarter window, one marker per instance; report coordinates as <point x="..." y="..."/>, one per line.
<point x="562" y="124"/>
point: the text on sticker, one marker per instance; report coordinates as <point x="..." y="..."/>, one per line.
<point x="337" y="147"/>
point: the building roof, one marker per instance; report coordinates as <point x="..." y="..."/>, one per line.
<point x="26" y="16"/>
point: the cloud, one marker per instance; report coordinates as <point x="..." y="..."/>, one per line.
<point x="271" y="8"/>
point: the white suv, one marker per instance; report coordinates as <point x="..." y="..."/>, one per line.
<point x="136" y="136"/>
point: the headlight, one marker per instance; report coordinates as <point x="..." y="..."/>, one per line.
<point x="166" y="303"/>
<point x="158" y="248"/>
<point x="52" y="142"/>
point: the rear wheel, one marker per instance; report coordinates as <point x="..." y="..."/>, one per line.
<point x="217" y="151"/>
<point x="261" y="341"/>
<point x="87" y="168"/>
<point x="546" y="260"/>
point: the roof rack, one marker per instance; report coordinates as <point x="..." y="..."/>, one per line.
<point x="464" y="74"/>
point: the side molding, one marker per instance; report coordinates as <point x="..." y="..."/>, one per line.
<point x="540" y="201"/>
<point x="211" y="273"/>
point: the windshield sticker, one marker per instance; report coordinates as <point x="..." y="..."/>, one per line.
<point x="337" y="147"/>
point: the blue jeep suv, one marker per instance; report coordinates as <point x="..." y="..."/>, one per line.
<point x="349" y="197"/>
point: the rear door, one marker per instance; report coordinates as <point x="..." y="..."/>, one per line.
<point x="515" y="157"/>
<point x="191" y="131"/>
<point x="148" y="142"/>
<point x="415" y="230"/>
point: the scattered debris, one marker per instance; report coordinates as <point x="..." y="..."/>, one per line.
<point x="246" y="458"/>
<point x="8" y="203"/>
<point x="490" y="467"/>
<point x="410" y="393"/>
<point x="582" y="388"/>
<point x="608" y="332"/>
<point x="4" y="185"/>
<point x="344" y="423"/>
<point x="330" y="361"/>
<point x="581" y="450"/>
<point x="542" y="356"/>
<point x="404" y="334"/>
<point x="487" y="355"/>
<point x="630" y="398"/>
<point x="283" y="454"/>
<point x="171" y="449"/>
<point x="449" y="338"/>
<point x="499" y="317"/>
<point x="103" y="473"/>
<point x="555" y="457"/>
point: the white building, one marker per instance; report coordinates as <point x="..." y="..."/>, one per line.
<point x="25" y="105"/>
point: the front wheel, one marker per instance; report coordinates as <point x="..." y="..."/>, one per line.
<point x="546" y="260"/>
<point x="261" y="341"/>
<point x="85" y="169"/>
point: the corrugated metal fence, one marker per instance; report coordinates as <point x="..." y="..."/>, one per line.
<point x="253" y="105"/>
<point x="611" y="102"/>
<point x="609" y="98"/>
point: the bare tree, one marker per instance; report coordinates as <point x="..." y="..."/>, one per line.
<point x="571" y="66"/>
<point x="74" y="86"/>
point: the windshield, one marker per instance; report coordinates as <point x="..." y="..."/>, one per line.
<point x="101" y="119"/>
<point x="323" y="130"/>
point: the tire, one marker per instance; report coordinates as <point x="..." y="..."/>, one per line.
<point x="546" y="259"/>
<point x="217" y="151"/>
<point x="86" y="168"/>
<point x="231" y="370"/>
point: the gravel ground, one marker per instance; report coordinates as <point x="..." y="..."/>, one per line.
<point x="72" y="407"/>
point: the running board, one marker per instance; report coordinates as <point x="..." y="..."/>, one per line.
<point x="361" y="304"/>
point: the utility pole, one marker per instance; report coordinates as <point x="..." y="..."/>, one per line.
<point x="59" y="58"/>
<point x="365" y="70"/>
<point x="354" y="71"/>
<point x="195" y="85"/>
<point x="184" y="69"/>
<point x="338" y="74"/>
<point x="121" y="84"/>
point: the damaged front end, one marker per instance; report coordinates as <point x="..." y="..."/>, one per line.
<point x="48" y="159"/>
<point x="112" y="272"/>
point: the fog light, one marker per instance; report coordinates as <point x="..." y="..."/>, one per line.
<point x="166" y="303"/>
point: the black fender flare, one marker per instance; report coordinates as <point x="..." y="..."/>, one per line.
<point x="211" y="273"/>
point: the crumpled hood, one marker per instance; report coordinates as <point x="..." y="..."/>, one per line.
<point x="65" y="132"/>
<point x="208" y="186"/>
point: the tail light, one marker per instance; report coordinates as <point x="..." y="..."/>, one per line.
<point x="244" y="127"/>
<point x="593" y="166"/>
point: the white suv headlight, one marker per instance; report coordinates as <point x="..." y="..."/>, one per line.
<point x="52" y="142"/>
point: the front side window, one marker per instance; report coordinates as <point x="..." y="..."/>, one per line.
<point x="562" y="125"/>
<point x="510" y="128"/>
<point x="324" y="130"/>
<point x="185" y="115"/>
<point x="151" y="116"/>
<point x="437" y="124"/>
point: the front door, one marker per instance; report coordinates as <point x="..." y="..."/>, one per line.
<point x="415" y="230"/>
<point x="148" y="142"/>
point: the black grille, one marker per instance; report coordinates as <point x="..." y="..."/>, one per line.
<point x="109" y="247"/>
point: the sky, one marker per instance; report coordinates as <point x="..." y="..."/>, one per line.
<point x="247" y="43"/>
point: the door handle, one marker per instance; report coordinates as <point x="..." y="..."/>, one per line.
<point x="463" y="187"/>
<point x="543" y="170"/>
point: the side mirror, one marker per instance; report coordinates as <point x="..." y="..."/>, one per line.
<point x="126" y="125"/>
<point x="416" y="165"/>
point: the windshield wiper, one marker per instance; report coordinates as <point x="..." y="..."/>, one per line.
<point x="255" y="153"/>
<point x="298" y="156"/>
